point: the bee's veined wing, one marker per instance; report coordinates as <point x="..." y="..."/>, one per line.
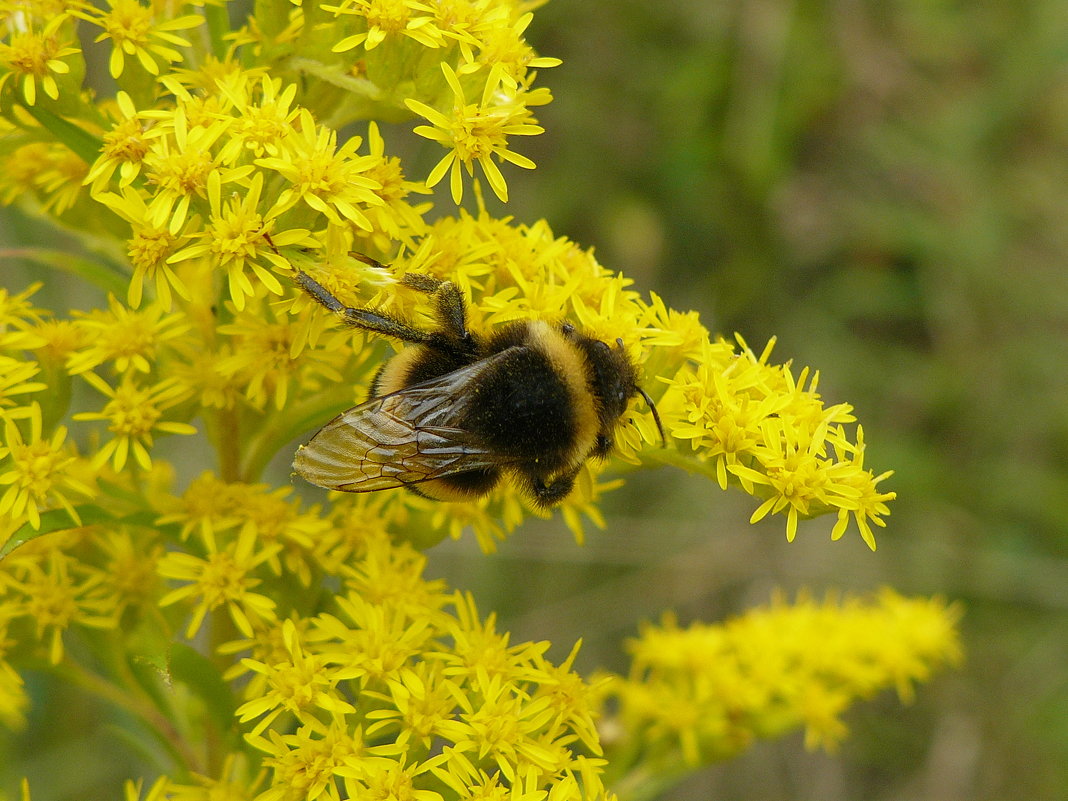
<point x="403" y="438"/>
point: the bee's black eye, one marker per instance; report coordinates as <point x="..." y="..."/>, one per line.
<point x="603" y="346"/>
<point x="568" y="329"/>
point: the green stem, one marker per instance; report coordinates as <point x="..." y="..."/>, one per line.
<point x="645" y="785"/>
<point x="125" y="699"/>
<point x="676" y="458"/>
<point x="228" y="443"/>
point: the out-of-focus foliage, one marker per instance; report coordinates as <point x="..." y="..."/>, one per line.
<point x="885" y="185"/>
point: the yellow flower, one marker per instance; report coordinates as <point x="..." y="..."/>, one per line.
<point x="478" y="132"/>
<point x="773" y="435"/>
<point x="264" y="115"/>
<point x="328" y="179"/>
<point x="135" y="31"/>
<point x="418" y="708"/>
<point x="178" y="165"/>
<point x="125" y="147"/>
<point x="304" y="763"/>
<point x="264" y="360"/>
<point x="206" y="508"/>
<point x="129" y="573"/>
<point x="383" y="18"/>
<point x="235" y="240"/>
<point x="388" y="778"/>
<point x="225" y="577"/>
<point x="149" y="249"/>
<point x="130" y="339"/>
<point x="54" y="341"/>
<point x="705" y="692"/>
<point x="204" y="372"/>
<point x="395" y="220"/>
<point x="371" y="641"/>
<point x="15" y="375"/>
<point x="59" y="178"/>
<point x="32" y="58"/>
<point x="299" y="684"/>
<point x="39" y="473"/>
<point x="134" y="414"/>
<point x="275" y="518"/>
<point x="504" y="44"/>
<point x="54" y="599"/>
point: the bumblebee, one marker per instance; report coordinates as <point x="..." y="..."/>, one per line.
<point x="453" y="414"/>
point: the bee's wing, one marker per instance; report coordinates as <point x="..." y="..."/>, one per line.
<point x="402" y="438"/>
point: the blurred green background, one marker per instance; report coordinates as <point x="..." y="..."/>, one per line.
<point x="883" y="186"/>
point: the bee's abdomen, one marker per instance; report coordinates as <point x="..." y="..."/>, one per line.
<point x="523" y="408"/>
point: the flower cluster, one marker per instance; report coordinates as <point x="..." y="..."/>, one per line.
<point x="221" y="178"/>
<point x="138" y="519"/>
<point x="706" y="692"/>
<point x="400" y="685"/>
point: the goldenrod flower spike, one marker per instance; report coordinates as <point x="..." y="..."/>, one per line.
<point x="276" y="642"/>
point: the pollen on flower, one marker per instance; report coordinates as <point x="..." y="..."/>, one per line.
<point x="125" y="142"/>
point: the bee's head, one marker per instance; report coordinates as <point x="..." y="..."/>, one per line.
<point x="613" y="381"/>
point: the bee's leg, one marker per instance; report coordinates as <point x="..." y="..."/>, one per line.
<point x="366" y="319"/>
<point x="452" y="313"/>
<point x="556" y="490"/>
<point x="448" y="301"/>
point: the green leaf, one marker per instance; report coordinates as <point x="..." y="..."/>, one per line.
<point x="200" y="675"/>
<point x="77" y="139"/>
<point x="56" y="520"/>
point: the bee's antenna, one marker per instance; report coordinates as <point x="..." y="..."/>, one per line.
<point x="656" y="414"/>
